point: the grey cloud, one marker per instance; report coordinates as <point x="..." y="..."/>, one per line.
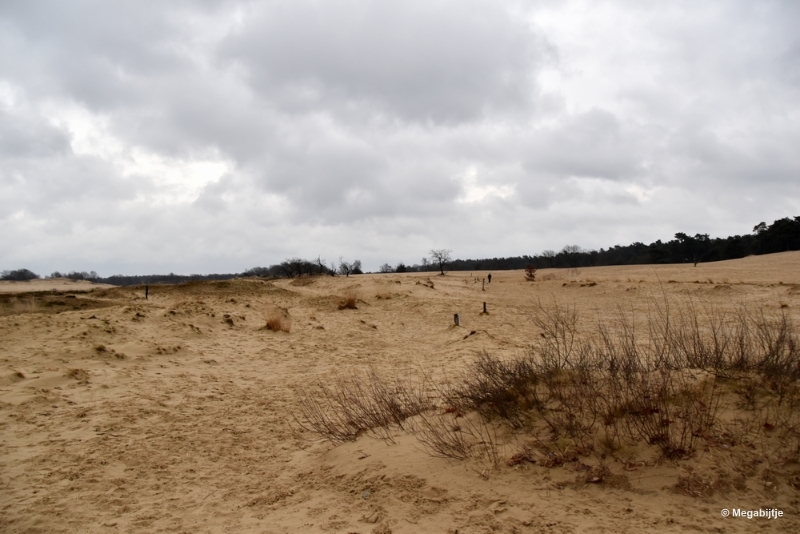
<point x="30" y="137"/>
<point x="437" y="61"/>
<point x="589" y="144"/>
<point x="380" y="130"/>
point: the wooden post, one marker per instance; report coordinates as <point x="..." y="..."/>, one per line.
<point x="483" y="287"/>
<point x="484" y="308"/>
<point x="146" y="291"/>
<point x="455" y="319"/>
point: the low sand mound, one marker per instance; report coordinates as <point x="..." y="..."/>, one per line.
<point x="49" y="284"/>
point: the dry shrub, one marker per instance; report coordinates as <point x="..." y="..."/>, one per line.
<point x="496" y="389"/>
<point x="670" y="410"/>
<point x="362" y="403"/>
<point x="14" y="304"/>
<point x="557" y="342"/>
<point x="452" y="436"/>
<point x="278" y="320"/>
<point x="349" y="300"/>
<point x="661" y="385"/>
<point x="278" y="323"/>
<point x="695" y="484"/>
<point x="530" y="273"/>
<point x="524" y="455"/>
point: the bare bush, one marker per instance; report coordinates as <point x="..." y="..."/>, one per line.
<point x="496" y="389"/>
<point x="661" y="385"/>
<point x="556" y="344"/>
<point x="453" y="436"/>
<point x="357" y="404"/>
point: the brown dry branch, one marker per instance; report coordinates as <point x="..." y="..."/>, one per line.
<point x="451" y="436"/>
<point x="360" y="403"/>
<point x="496" y="388"/>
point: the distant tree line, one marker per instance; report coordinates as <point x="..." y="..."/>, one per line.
<point x="77" y="275"/>
<point x="289" y="268"/>
<point x="782" y="235"/>
<point x="18" y="275"/>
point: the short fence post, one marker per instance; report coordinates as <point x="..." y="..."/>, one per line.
<point x="455" y="319"/>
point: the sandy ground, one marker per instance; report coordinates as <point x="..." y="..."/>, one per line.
<point x="49" y="284"/>
<point x="175" y="414"/>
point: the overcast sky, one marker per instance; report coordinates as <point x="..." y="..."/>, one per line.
<point x="213" y="136"/>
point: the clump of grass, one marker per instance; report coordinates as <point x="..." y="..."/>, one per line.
<point x="78" y="374"/>
<point x="278" y="320"/>
<point x="100" y="348"/>
<point x="349" y="301"/>
<point x="277" y="323"/>
<point x="695" y="484"/>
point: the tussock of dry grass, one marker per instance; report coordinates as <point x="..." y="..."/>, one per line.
<point x="349" y="301"/>
<point x="78" y="374"/>
<point x="278" y="322"/>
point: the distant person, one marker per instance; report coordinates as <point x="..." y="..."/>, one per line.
<point x="489" y="277"/>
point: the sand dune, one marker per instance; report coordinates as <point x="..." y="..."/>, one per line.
<point x="176" y="413"/>
<point x="49" y="284"/>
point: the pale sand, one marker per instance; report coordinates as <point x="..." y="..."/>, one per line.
<point x="183" y="423"/>
<point x="49" y="284"/>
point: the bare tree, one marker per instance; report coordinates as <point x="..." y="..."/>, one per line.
<point x="293" y="267"/>
<point x="386" y="268"/>
<point x="321" y="265"/>
<point x="441" y="257"/>
<point x="550" y="255"/>
<point x="573" y="254"/>
<point x="345" y="267"/>
<point x="348" y="268"/>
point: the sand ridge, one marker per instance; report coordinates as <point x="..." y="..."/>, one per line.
<point x="176" y="413"/>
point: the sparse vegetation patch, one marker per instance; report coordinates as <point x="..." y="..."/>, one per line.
<point x="575" y="393"/>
